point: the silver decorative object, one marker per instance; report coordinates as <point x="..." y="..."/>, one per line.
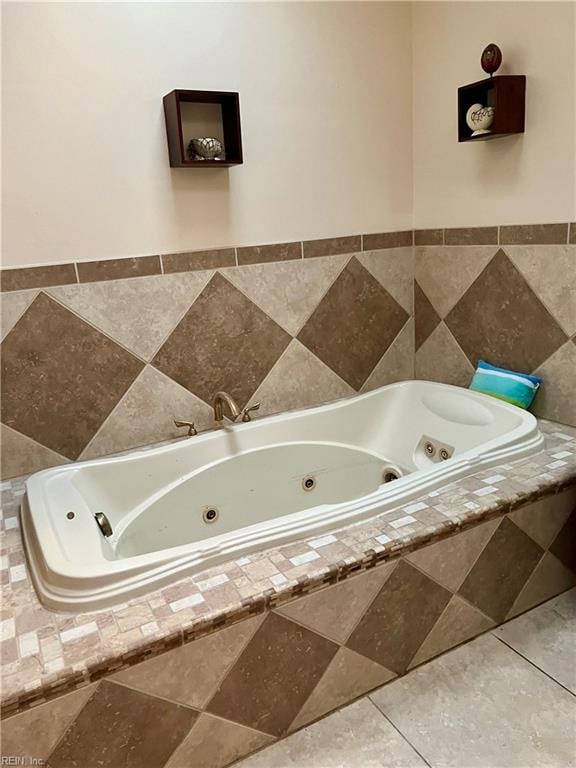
<point x="207" y="148"/>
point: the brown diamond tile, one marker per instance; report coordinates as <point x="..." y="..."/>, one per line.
<point x="273" y="676"/>
<point x="61" y="377"/>
<point x="235" y="344"/>
<point x="400" y="617"/>
<point x="564" y="545"/>
<point x="501" y="571"/>
<point x="425" y="316"/>
<point x="500" y="319"/>
<point x="121" y="727"/>
<point x="354" y="324"/>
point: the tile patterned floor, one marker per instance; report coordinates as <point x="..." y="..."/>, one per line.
<point x="503" y="700"/>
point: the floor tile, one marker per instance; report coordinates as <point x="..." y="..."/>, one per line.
<point x="546" y="637"/>
<point x="355" y="736"/>
<point x="483" y="705"/>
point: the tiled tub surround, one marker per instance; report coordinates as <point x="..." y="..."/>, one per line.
<point x="512" y="304"/>
<point x="226" y="662"/>
<point x="91" y="368"/>
<point x="304" y="323"/>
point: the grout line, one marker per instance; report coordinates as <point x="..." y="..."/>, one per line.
<point x="301" y="249"/>
<point x="398" y="731"/>
<point x="76" y="272"/>
<point x="236" y="256"/>
<point x="532" y="664"/>
<point x="498" y="235"/>
<point x="443" y="237"/>
<point x="161" y="264"/>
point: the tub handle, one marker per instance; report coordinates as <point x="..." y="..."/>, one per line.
<point x="246" y="412"/>
<point x="190" y="424"/>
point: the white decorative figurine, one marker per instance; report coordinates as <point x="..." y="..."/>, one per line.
<point x="479" y="119"/>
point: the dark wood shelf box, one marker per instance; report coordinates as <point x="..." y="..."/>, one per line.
<point x="506" y="93"/>
<point x="194" y="114"/>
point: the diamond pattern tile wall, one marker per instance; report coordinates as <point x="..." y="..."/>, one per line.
<point x="61" y="377"/>
<point x="224" y="341"/>
<point x="501" y="319"/>
<point x="513" y="308"/>
<point x="354" y="324"/>
<point x="87" y="392"/>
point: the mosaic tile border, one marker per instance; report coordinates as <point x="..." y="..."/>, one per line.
<point x="69" y="273"/>
<point x="45" y="654"/>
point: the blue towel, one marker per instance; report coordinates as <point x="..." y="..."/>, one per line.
<point x="516" y="388"/>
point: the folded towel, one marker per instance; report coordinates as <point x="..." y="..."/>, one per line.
<point x="511" y="386"/>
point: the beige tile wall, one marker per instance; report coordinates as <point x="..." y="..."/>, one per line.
<point x="96" y="357"/>
<point x="106" y="361"/>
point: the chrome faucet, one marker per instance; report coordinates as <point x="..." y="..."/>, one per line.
<point x="221" y="399"/>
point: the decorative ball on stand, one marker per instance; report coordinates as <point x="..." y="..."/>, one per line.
<point x="479" y="119"/>
<point x="207" y="148"/>
<point x="491" y="58"/>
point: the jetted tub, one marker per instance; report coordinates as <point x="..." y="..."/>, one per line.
<point x="183" y="507"/>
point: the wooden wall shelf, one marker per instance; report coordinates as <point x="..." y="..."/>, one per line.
<point x="223" y="122"/>
<point x="506" y="93"/>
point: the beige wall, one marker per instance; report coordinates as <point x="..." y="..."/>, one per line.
<point x="326" y="115"/>
<point x="521" y="179"/>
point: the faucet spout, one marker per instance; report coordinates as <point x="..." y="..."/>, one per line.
<point x="222" y="399"/>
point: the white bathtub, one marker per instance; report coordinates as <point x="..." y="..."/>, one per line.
<point x="254" y="477"/>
